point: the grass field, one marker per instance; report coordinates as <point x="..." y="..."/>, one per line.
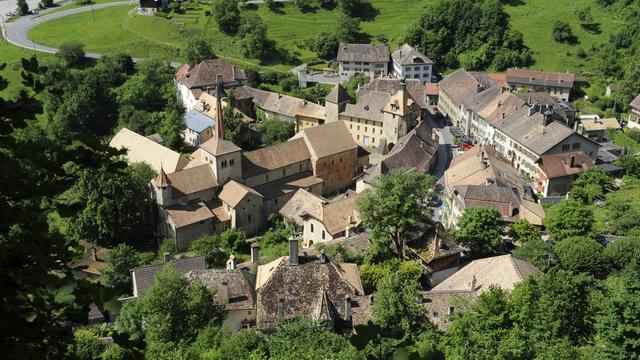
<point x="74" y="5"/>
<point x="116" y="30"/>
<point x="11" y="55"/>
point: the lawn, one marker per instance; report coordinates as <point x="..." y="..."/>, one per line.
<point x="72" y="5"/>
<point x="11" y="55"/>
<point x="621" y="139"/>
<point x="117" y="30"/>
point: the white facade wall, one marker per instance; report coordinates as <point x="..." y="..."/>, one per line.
<point x="421" y="72"/>
<point x="314" y="232"/>
<point x="372" y="70"/>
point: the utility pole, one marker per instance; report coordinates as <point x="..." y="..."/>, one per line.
<point x="4" y="29"/>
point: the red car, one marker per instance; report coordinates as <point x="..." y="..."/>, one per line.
<point x="464" y="146"/>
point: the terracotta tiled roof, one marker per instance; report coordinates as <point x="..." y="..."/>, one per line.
<point x="335" y="215"/>
<point x="328" y="139"/>
<point x="431" y="89"/>
<point x="192" y="180"/>
<point x="459" y="86"/>
<point x="288" y="185"/>
<point x="274" y="157"/>
<point x="287" y="105"/>
<point x="600" y="124"/>
<point x="88" y="263"/>
<point x="215" y="146"/>
<point x="233" y="192"/>
<point x="162" y="180"/>
<point x="504" y="271"/>
<point x="204" y="74"/>
<point x="185" y="215"/>
<point x="558" y="165"/>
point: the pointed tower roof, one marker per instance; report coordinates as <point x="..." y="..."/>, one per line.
<point x="219" y="122"/>
<point x="400" y="102"/>
<point x="162" y="180"/>
<point x="337" y="95"/>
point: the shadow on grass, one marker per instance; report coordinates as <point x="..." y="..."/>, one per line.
<point x="279" y="56"/>
<point x="276" y="7"/>
<point x="366" y="12"/>
<point x="513" y="2"/>
<point x="592" y="28"/>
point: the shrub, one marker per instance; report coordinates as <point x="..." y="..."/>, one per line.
<point x="71" y="52"/>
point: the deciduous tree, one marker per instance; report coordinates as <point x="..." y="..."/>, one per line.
<point x="581" y="254"/>
<point x="567" y="219"/>
<point x="479" y="228"/>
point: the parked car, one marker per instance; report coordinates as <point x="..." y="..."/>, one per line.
<point x="10" y="14"/>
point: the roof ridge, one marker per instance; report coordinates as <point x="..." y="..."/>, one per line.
<point x="515" y="266"/>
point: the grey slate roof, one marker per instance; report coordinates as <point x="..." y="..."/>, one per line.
<point x="415" y="88"/>
<point x="363" y="52"/>
<point x="478" y="101"/>
<point x="369" y="106"/>
<point x="337" y="95"/>
<point x="144" y="276"/>
<point x="459" y="85"/>
<point x="408" y="55"/>
<point x="531" y="131"/>
<point x="240" y="286"/>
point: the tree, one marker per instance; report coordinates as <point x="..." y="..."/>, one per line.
<point x="235" y="129"/>
<point x="348" y="29"/>
<point x="567" y="219"/>
<point x="350" y="7"/>
<point x="42" y="299"/>
<point x="241" y="345"/>
<point x="592" y="184"/>
<point x="630" y="164"/>
<point x="87" y="345"/>
<point x="227" y="15"/>
<point x="620" y="215"/>
<point x="275" y="131"/>
<point x="196" y="50"/>
<point x="173" y="310"/>
<point x="305" y="339"/>
<point x="584" y="16"/>
<point x="522" y="231"/>
<point x="624" y="251"/>
<point x="479" y="228"/>
<point x="209" y="247"/>
<point x="121" y="259"/>
<point x="538" y="252"/>
<point x="397" y="205"/>
<point x="562" y="31"/>
<point x="23" y="7"/>
<point x="325" y="45"/>
<point x="171" y="127"/>
<point x="71" y="52"/>
<point x="46" y="3"/>
<point x="255" y="45"/>
<point x="114" y="202"/>
<point x="581" y="254"/>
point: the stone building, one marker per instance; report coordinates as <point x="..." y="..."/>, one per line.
<point x="368" y="59"/>
<point x="558" y="85"/>
<point x="555" y="174"/>
<point x="409" y="63"/>
<point x="202" y="78"/>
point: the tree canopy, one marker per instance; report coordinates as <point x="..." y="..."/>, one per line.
<point x="479" y="228"/>
<point x="569" y="218"/>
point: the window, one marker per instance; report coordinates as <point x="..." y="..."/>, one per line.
<point x="232" y="161"/>
<point x="417" y="68"/>
<point x="434" y="314"/>
<point x="576" y="146"/>
<point x="223" y="163"/>
<point x="249" y="218"/>
<point x="276" y="201"/>
<point x="340" y="159"/>
<point x="357" y="137"/>
<point x="350" y="126"/>
<point x="426" y="68"/>
<point x="311" y="227"/>
<point x="565" y="147"/>
<point x="373" y="140"/>
<point x="300" y="167"/>
<point x="284" y="172"/>
<point x="322" y="234"/>
<point x="380" y="131"/>
<point x="266" y="177"/>
<point x="365" y="129"/>
<point x="358" y="127"/>
<point x="451" y="310"/>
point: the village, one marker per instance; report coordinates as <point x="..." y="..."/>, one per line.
<point x="320" y="179"/>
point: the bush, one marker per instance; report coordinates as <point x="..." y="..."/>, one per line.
<point x="87" y="345"/>
<point x="581" y="254"/>
<point x="167" y="246"/>
<point x="71" y="52"/>
<point x="562" y="31"/>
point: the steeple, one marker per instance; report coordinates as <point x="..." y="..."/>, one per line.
<point x="219" y="121"/>
<point x="162" y="180"/>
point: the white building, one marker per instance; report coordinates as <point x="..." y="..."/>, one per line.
<point x="407" y="62"/>
<point x="368" y="59"/>
<point x="198" y="128"/>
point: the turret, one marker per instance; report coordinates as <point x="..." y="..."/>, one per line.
<point x="335" y="102"/>
<point x="162" y="188"/>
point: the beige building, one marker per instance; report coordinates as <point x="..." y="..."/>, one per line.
<point x="634" y="113"/>
<point x="203" y="77"/>
<point x="143" y="149"/>
<point x="455" y="89"/>
<point x="301" y="112"/>
<point x="368" y="59"/>
<point x="596" y="129"/>
<point x="558" y="85"/>
<point x="555" y="174"/>
<point x="451" y="296"/>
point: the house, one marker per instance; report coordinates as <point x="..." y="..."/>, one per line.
<point x="437" y="252"/>
<point x="558" y="85"/>
<point x="93" y="260"/>
<point x="143" y="149"/>
<point x="368" y="59"/>
<point x="456" y="88"/>
<point x="149" y="7"/>
<point x="387" y="84"/>
<point x="202" y="78"/>
<point x="378" y="119"/>
<point x="302" y="202"/>
<point x="555" y="174"/>
<point x="431" y="91"/>
<point x="530" y="132"/>
<point x="234" y="289"/>
<point x="301" y="112"/>
<point x="482" y="177"/>
<point x="144" y="276"/>
<point x="313" y="286"/>
<point x="562" y="111"/>
<point x="634" y="113"/>
<point x="451" y="295"/>
<point x="224" y="187"/>
<point x="198" y="128"/>
<point x="416" y="151"/>
<point x="332" y="220"/>
<point x="409" y="63"/>
<point x="207" y="104"/>
<point x="596" y="129"/>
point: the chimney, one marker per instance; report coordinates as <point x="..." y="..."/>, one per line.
<point x="532" y="110"/>
<point x="293" y="251"/>
<point x="166" y="256"/>
<point x="347" y="232"/>
<point x="347" y="309"/>
<point x="255" y="253"/>
<point x="572" y="162"/>
<point x="233" y="72"/>
<point x="323" y="257"/>
<point x="231" y="263"/>
<point x="94" y="253"/>
<point x="489" y="181"/>
<point x="477" y="88"/>
<point x="472" y="284"/>
<point x="224" y="292"/>
<point x="279" y="96"/>
<point x="280" y="310"/>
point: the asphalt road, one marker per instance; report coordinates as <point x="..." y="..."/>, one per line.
<point x="17" y="31"/>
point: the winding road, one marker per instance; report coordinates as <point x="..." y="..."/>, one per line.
<point x="17" y="31"/>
